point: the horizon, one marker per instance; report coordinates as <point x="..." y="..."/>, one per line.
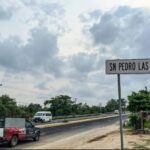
<point x="50" y="48"/>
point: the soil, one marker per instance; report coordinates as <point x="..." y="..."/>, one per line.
<point x="100" y="138"/>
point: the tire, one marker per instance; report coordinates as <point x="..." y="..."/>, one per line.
<point x="37" y="137"/>
<point x="14" y="141"/>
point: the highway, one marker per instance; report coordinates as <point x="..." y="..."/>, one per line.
<point x="78" y="117"/>
<point x="52" y="135"/>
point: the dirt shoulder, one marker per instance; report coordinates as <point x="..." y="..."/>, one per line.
<point x="111" y="140"/>
<point x="99" y="138"/>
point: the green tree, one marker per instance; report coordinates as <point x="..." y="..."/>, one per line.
<point x="139" y="101"/>
<point x="60" y="105"/>
<point x="85" y="109"/>
<point x="33" y="108"/>
<point x="103" y="109"/>
<point x="111" y="105"/>
<point x="95" y="109"/>
<point x="8" y="106"/>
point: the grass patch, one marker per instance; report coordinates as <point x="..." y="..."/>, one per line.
<point x="147" y="142"/>
<point x="144" y="145"/>
<point x="147" y="124"/>
<point x="140" y="147"/>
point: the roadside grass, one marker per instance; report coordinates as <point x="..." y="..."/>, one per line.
<point x="144" y="145"/>
<point x="147" y="124"/>
<point x="147" y="142"/>
<point x="137" y="146"/>
<point x="128" y="127"/>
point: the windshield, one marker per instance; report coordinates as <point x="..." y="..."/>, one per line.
<point x="38" y="114"/>
<point x="1" y="123"/>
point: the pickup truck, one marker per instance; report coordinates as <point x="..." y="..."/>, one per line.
<point x="13" y="130"/>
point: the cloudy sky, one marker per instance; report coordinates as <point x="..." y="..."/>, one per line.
<point x="53" y="47"/>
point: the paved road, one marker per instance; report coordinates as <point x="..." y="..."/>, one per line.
<point x="68" y="132"/>
<point x="76" y="118"/>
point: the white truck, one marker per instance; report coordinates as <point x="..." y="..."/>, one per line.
<point x="42" y="116"/>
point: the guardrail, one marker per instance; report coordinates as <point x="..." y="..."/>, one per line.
<point x="78" y="116"/>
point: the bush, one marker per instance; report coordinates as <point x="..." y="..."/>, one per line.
<point x="134" y="121"/>
<point x="65" y="121"/>
<point x="147" y="124"/>
<point x="126" y="124"/>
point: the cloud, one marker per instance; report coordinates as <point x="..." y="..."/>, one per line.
<point x="37" y="56"/>
<point x="42" y="11"/>
<point x="49" y="8"/>
<point x="39" y="52"/>
<point x="6" y="13"/>
<point x="42" y="86"/>
<point x="81" y="65"/>
<point x="53" y="9"/>
<point x="91" y="15"/>
<point x="105" y="32"/>
<point x="124" y="30"/>
<point x="83" y="62"/>
<point x="121" y="32"/>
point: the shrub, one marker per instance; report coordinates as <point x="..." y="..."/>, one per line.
<point x="147" y="124"/>
<point x="134" y="121"/>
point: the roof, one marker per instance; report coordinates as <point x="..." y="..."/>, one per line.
<point x="43" y="112"/>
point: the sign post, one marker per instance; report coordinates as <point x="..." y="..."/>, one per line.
<point x="126" y="66"/>
<point x="120" y="112"/>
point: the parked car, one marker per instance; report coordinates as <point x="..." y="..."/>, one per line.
<point x="13" y="130"/>
<point x="42" y="116"/>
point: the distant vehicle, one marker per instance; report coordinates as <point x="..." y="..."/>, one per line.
<point x="116" y="111"/>
<point x="42" y="116"/>
<point x="13" y="130"/>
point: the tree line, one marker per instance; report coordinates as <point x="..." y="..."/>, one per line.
<point x="62" y="105"/>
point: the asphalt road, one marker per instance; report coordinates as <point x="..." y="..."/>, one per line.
<point x="76" y="118"/>
<point x="66" y="132"/>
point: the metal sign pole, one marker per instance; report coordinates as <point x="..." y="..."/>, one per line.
<point x="126" y="66"/>
<point x="120" y="112"/>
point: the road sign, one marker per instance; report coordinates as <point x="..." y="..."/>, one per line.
<point x="128" y="66"/>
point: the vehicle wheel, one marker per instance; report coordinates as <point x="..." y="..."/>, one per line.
<point x="36" y="138"/>
<point x="13" y="141"/>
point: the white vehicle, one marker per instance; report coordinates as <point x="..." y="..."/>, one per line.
<point x="116" y="111"/>
<point x="43" y="116"/>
